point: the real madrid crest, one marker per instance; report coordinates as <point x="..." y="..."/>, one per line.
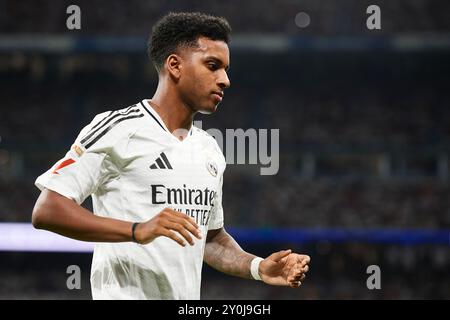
<point x="211" y="165"/>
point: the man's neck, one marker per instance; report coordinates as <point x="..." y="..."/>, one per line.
<point x="172" y="111"/>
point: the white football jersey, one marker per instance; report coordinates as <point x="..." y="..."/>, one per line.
<point x="133" y="168"/>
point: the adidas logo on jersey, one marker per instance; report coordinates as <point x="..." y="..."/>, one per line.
<point x="161" y="163"/>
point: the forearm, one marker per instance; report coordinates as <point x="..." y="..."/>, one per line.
<point x="59" y="214"/>
<point x="223" y="253"/>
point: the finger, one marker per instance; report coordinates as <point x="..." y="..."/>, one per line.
<point x="172" y="235"/>
<point x="187" y="221"/>
<point x="187" y="225"/>
<point x="296" y="273"/>
<point x="299" y="277"/>
<point x="304" y="259"/>
<point x="297" y="270"/>
<point x="277" y="256"/>
<point x="181" y="230"/>
<point x="290" y="265"/>
<point x="293" y="273"/>
<point x="182" y="216"/>
<point x="295" y="277"/>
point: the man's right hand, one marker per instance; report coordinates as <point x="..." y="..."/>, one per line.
<point x="165" y="224"/>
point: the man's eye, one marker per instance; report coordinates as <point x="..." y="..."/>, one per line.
<point x="212" y="66"/>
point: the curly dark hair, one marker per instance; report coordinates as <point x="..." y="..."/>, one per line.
<point x="175" y="30"/>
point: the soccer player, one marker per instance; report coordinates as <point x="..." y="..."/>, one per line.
<point x="156" y="180"/>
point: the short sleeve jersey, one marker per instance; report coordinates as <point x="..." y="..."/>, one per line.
<point x="133" y="168"/>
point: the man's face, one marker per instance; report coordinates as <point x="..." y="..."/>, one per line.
<point x="204" y="74"/>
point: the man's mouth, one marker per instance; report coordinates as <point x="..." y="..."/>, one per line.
<point x="218" y="95"/>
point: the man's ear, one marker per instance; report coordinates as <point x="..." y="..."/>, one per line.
<point x="173" y="65"/>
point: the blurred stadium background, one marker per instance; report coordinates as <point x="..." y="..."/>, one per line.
<point x="364" y="119"/>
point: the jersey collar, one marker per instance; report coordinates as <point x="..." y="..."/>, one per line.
<point x="152" y="112"/>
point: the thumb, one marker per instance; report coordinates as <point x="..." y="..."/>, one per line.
<point x="277" y="256"/>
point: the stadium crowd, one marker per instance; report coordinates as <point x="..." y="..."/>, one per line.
<point x="267" y="16"/>
<point x="410" y="123"/>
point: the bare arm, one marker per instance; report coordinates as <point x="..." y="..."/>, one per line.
<point x="282" y="268"/>
<point x="223" y="253"/>
<point x="59" y="214"/>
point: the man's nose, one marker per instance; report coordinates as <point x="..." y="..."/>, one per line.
<point x="224" y="81"/>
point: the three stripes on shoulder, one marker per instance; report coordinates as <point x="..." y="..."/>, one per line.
<point x="109" y="122"/>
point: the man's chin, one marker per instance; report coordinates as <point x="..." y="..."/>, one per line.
<point x="208" y="110"/>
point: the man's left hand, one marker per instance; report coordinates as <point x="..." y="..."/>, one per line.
<point x="284" y="268"/>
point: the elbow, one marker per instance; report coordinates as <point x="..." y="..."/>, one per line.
<point x="38" y="218"/>
<point x="42" y="211"/>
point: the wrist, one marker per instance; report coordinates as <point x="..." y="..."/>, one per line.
<point x="254" y="268"/>
<point x="133" y="232"/>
